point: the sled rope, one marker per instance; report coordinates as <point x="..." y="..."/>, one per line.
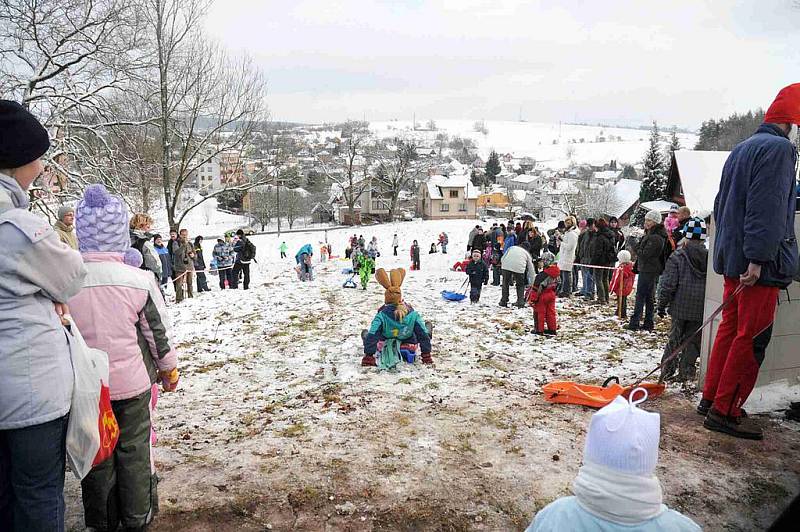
<point x="688" y="339"/>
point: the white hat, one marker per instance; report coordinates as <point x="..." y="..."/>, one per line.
<point x="653" y="216"/>
<point x="624" y="438"/>
<point x="624" y="256"/>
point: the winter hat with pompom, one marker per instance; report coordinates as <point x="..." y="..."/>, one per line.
<point x="653" y="216"/>
<point x="101" y="221"/>
<point x="623" y="437"/>
<point x="133" y="258"/>
<point x="624" y="256"/>
<point x="582" y="224"/>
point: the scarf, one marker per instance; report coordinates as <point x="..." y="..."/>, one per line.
<point x="617" y="497"/>
<point x="390" y="354"/>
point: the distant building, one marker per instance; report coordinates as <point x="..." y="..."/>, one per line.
<point x="492" y="199"/>
<point x="208" y="176"/>
<point x="448" y="197"/>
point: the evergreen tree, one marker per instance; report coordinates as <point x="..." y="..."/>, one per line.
<point x="726" y="133"/>
<point x="654" y="174"/>
<point x="674" y="142"/>
<point x="493" y="167"/>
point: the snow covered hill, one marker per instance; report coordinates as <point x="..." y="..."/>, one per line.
<point x="276" y="425"/>
<point x="536" y="140"/>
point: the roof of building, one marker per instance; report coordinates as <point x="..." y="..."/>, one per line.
<point x="437" y="182"/>
<point x="626" y="192"/>
<point x="700" y="173"/>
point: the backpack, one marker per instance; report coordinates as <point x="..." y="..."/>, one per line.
<point x="138" y="245"/>
<point x="249" y="250"/>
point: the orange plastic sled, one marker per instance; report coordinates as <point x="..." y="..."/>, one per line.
<point x="594" y="396"/>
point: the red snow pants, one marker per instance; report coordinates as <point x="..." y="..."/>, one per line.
<point x="545" y="310"/>
<point x="739" y="346"/>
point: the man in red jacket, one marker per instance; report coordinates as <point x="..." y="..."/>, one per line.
<point x="756" y="251"/>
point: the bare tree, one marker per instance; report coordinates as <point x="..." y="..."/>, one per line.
<point x="263" y="204"/>
<point x="64" y="60"/>
<point x="295" y="204"/>
<point x="397" y="172"/>
<point x="352" y="182"/>
<point x="209" y="103"/>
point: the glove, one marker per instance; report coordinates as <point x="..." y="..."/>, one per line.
<point x="662" y="312"/>
<point x="169" y="379"/>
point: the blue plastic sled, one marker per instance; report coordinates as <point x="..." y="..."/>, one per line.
<point x="453" y="296"/>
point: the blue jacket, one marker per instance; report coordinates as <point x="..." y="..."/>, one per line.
<point x="754" y="209"/>
<point x="304" y="250"/>
<point x="510" y="241"/>
<point x="411" y="330"/>
<point x="567" y="514"/>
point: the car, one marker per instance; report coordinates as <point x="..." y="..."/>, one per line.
<point x="246" y="229"/>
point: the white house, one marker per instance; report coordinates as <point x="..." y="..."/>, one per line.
<point x="207" y="177"/>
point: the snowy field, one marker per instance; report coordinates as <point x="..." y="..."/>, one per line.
<point x="277" y="426"/>
<point x="535" y="140"/>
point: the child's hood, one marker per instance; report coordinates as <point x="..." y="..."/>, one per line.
<point x="552" y="270"/>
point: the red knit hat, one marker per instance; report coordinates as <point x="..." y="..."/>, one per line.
<point x="786" y="107"/>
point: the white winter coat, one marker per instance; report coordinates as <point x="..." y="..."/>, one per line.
<point x="518" y="260"/>
<point x="566" y="254"/>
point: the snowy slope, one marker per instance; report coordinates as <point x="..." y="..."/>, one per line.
<point x="536" y="140"/>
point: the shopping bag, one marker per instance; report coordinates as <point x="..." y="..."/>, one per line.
<point x="92" y="431"/>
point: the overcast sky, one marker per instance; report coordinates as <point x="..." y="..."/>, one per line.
<point x="678" y="62"/>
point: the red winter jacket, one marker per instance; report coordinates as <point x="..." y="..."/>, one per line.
<point x="545" y="284"/>
<point x="461" y="266"/>
<point x="622" y="280"/>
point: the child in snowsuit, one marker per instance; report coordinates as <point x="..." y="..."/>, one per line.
<point x="497" y="255"/>
<point x="415" y="256"/>
<point x="542" y="296"/>
<point x="395" y="323"/>
<point x="622" y="283"/>
<point x="122" y="490"/>
<point x="366" y="267"/>
<point x="478" y="274"/>
<point x="683" y="288"/>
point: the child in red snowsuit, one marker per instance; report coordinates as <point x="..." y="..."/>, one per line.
<point x="542" y="296"/>
<point x="622" y="283"/>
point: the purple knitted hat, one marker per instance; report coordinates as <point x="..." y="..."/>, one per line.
<point x="101" y="221"/>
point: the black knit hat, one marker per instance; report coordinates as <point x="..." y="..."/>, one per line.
<point x="22" y="137"/>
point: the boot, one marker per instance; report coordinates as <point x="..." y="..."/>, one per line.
<point x="368" y="360"/>
<point x="704" y="406"/>
<point x="736" y="427"/>
<point x="426" y="358"/>
<point x="550" y="332"/>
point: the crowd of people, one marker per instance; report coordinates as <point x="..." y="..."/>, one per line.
<point x="99" y="261"/>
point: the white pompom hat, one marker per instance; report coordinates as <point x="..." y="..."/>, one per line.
<point x="623" y="437"/>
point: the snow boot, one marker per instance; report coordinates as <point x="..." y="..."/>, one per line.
<point x="737" y="427"/>
<point x="369" y="360"/>
<point x="550" y="332"/>
<point x="426" y="358"/>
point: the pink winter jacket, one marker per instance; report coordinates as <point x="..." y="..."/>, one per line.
<point x="120" y="310"/>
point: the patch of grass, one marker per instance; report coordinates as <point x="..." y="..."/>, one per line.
<point x="762" y="491"/>
<point x="493" y="364"/>
<point x="330" y="393"/>
<point x="403" y="420"/>
<point x="494" y="418"/>
<point x="432" y="386"/>
<point x="294" y="430"/>
<point x="404" y="380"/>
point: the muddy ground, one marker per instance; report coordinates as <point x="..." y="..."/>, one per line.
<point x="276" y="427"/>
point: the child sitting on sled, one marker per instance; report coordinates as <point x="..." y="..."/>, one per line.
<point x="395" y="324"/>
<point x="542" y="295"/>
<point x="622" y="282"/>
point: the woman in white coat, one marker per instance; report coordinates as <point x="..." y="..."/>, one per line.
<point x="566" y="255"/>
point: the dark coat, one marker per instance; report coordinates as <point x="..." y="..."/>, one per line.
<point x="602" y="251"/>
<point x="536" y="244"/>
<point x="619" y="239"/>
<point x="584" y="243"/>
<point x="650" y="251"/>
<point x="683" y="283"/>
<point x="479" y="242"/>
<point x="477" y="272"/>
<point x="754" y="209"/>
